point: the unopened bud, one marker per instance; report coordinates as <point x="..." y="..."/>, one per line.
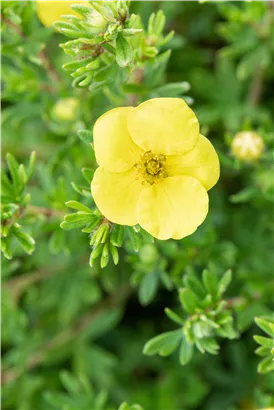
<point x="66" y="109"/>
<point x="247" y="145"/>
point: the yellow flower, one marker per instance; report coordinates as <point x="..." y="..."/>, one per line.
<point x="247" y="145"/>
<point x="50" y="11"/>
<point x="66" y="109"/>
<point x="154" y="168"/>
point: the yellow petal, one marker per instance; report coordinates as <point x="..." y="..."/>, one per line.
<point x="50" y="11"/>
<point x="173" y="208"/>
<point x="164" y="126"/>
<point x="114" y="148"/>
<point x="116" y="195"/>
<point x="201" y="162"/>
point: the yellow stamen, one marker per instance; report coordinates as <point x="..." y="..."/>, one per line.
<point x="151" y="168"/>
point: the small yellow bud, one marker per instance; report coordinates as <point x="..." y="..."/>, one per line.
<point x="66" y="109"/>
<point x="50" y="11"/>
<point x="247" y="145"/>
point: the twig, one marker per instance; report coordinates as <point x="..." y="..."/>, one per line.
<point x="69" y="334"/>
<point x="49" y="67"/>
<point x="256" y="86"/>
<point x="48" y="212"/>
<point x="139" y="76"/>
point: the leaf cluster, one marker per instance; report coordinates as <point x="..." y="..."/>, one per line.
<point x="14" y="200"/>
<point x="209" y="318"/>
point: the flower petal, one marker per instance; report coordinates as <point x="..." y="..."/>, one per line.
<point x="116" y="195"/>
<point x="114" y="148"/>
<point x="164" y="126"/>
<point x="173" y="208"/>
<point x="51" y="11"/>
<point x="201" y="162"/>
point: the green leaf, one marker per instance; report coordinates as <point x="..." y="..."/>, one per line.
<point x="114" y="253"/>
<point x="224" y="282"/>
<point x="266" y="365"/>
<point x="190" y="281"/>
<point x="266" y="326"/>
<point x="105" y="256"/>
<point x="77" y="220"/>
<point x="134" y="239"/>
<point x="86" y="80"/>
<point x="264" y="341"/>
<point x="174" y="317"/>
<point x="126" y="406"/>
<point x="262" y="350"/>
<point x="124" y="52"/>
<point x="105" y="73"/>
<point x="74" y="65"/>
<point x="148" y="288"/>
<point x="22" y="175"/>
<point x="163" y="344"/>
<point x="82" y="190"/>
<point x="6" y="246"/>
<point x="14" y="171"/>
<point x="159" y="22"/>
<point x="171" y="89"/>
<point x="186" y="352"/>
<point x="98" y="235"/>
<point x="166" y="280"/>
<point x="209" y="345"/>
<point x="7" y="189"/>
<point x="26" y="241"/>
<point x="210" y="282"/>
<point x="88" y="174"/>
<point x="69" y="382"/>
<point x="96" y="252"/>
<point x="78" y="206"/>
<point x="92" y="225"/>
<point x="82" y="9"/>
<point x="117" y="235"/>
<point x="128" y="32"/>
<point x="188" y="300"/>
<point x="85" y="136"/>
<point x="244" y="196"/>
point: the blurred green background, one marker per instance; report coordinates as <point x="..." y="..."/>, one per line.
<point x="67" y="326"/>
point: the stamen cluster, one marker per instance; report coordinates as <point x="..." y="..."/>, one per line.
<point x="152" y="168"/>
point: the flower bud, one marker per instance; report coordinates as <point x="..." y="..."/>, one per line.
<point x="247" y="145"/>
<point x="66" y="109"/>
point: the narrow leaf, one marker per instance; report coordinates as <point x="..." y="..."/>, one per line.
<point x="124" y="52"/>
<point x="26" y="241"/>
<point x="85" y="136"/>
<point x="188" y="300"/>
<point x="174" y="317"/>
<point x="148" y="288"/>
<point x="186" y="352"/>
<point x="163" y="344"/>
<point x="78" y="206"/>
<point x="266" y="326"/>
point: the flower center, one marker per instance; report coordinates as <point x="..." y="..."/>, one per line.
<point x="151" y="168"/>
